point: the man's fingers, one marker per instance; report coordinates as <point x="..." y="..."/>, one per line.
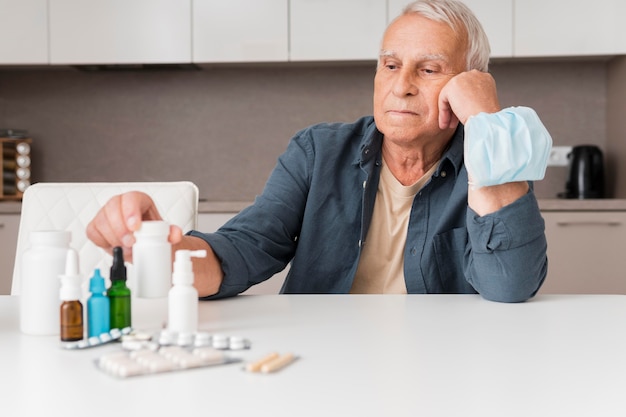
<point x="105" y="229"/>
<point x="467" y="94"/>
<point x="136" y="207"/>
<point x="447" y="118"/>
<point x="176" y="234"/>
<point x="122" y="215"/>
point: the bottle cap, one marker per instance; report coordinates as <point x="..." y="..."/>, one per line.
<point x="96" y="283"/>
<point x="50" y="237"/>
<point x="118" y="269"/>
<point x="70" y="281"/>
<point x="154" y="228"/>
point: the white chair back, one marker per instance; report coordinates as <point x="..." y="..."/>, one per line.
<point x="71" y="206"/>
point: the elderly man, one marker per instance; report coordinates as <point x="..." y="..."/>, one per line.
<point x="430" y="195"/>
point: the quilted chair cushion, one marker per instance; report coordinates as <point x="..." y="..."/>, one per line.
<point x="71" y="206"/>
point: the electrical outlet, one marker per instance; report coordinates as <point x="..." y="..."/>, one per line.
<point x="558" y="156"/>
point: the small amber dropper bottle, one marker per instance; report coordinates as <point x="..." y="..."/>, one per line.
<point x="118" y="292"/>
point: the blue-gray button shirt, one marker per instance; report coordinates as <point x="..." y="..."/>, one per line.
<point x="317" y="205"/>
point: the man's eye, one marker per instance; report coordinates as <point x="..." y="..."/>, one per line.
<point x="391" y="66"/>
<point x="430" y="73"/>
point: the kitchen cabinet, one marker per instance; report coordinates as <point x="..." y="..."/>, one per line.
<point x="9" y="227"/>
<point x="327" y="30"/>
<point x="496" y="16"/>
<point x="120" y="31"/>
<point x="75" y="32"/>
<point x="24" y="32"/>
<point x="569" y="28"/>
<point x="240" y="31"/>
<point x="586" y="252"/>
<point x="210" y="222"/>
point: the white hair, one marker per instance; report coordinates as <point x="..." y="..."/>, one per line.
<point x="462" y="20"/>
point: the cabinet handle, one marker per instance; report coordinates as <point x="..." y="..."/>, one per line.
<point x="610" y="223"/>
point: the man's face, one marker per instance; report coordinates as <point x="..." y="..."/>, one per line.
<point x="418" y="57"/>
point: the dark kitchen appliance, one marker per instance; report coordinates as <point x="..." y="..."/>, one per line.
<point x="586" y="173"/>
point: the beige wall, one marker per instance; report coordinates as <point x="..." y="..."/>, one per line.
<point x="223" y="128"/>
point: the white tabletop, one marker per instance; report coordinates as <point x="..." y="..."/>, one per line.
<point x="426" y="355"/>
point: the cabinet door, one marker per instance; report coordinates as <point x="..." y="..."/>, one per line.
<point x="120" y="31"/>
<point x="240" y="31"/>
<point x="569" y="28"/>
<point x="9" y="226"/>
<point x="586" y="253"/>
<point x="496" y="16"/>
<point x="327" y="30"/>
<point x="24" y="32"/>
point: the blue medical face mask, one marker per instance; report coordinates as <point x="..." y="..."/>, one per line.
<point x="510" y="145"/>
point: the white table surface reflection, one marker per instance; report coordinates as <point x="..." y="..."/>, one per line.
<point x="426" y="355"/>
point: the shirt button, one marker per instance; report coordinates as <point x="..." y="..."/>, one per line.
<point x="413" y="251"/>
<point x="364" y="183"/>
<point x="443" y="174"/>
<point x="359" y="243"/>
<point x="367" y="151"/>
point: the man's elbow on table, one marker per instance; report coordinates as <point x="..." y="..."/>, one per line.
<point x="509" y="291"/>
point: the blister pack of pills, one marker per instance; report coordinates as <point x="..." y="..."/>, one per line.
<point x="112" y="336"/>
<point x="202" y="339"/>
<point x="124" y="364"/>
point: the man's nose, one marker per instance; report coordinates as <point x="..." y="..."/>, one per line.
<point x="406" y="83"/>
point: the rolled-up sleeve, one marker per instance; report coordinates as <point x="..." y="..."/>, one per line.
<point x="507" y="259"/>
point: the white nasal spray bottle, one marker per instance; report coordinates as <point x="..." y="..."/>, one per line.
<point x="183" y="296"/>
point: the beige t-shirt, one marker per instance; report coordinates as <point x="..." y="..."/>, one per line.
<point x="381" y="266"/>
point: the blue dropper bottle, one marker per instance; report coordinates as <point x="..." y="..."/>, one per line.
<point x="98" y="307"/>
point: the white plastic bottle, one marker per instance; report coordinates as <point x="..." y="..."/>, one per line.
<point x="42" y="263"/>
<point x="183" y="296"/>
<point x="152" y="260"/>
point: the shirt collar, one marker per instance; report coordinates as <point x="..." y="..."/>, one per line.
<point x="371" y="145"/>
<point x="453" y="156"/>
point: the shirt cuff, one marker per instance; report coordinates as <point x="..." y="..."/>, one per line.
<point x="512" y="226"/>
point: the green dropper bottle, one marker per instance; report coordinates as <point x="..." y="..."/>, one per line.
<point x="118" y="292"/>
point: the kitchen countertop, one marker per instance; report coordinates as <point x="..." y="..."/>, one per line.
<point x="545" y="204"/>
<point x="559" y="204"/>
<point x="10" y="207"/>
<point x="15" y="207"/>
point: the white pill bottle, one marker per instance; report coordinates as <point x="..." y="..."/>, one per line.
<point x="183" y="296"/>
<point x="42" y="264"/>
<point x="152" y="260"/>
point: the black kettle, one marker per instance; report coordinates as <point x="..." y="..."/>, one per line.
<point x="586" y="173"/>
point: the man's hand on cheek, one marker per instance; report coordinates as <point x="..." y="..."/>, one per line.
<point x="465" y="95"/>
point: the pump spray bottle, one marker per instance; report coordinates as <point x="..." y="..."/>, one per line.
<point x="119" y="293"/>
<point x="183" y="296"/>
<point x="71" y="310"/>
